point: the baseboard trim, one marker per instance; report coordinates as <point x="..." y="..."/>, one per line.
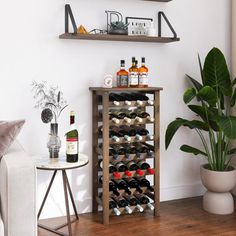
<point x="184" y="191"/>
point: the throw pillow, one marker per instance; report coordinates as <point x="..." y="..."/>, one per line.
<point x="8" y="132"/>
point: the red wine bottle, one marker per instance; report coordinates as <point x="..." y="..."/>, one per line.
<point x="112" y="186"/>
<point x="121" y="184"/>
<point x="123" y="203"/>
<point x="72" y="141"/>
<point x="121" y="167"/>
<point x="132" y="166"/>
<point x="143" y="182"/>
<point x="133" y="201"/>
<point x="113" y="206"/>
<point x="144" y="200"/>
<point x="145" y="166"/>
<point x="112" y="170"/>
<point x="133" y="183"/>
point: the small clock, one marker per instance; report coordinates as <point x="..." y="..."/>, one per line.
<point x="108" y="81"/>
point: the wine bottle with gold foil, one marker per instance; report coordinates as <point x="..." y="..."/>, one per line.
<point x="72" y="141"/>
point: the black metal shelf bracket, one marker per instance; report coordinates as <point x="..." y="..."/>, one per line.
<point x="161" y="15"/>
<point x="69" y="14"/>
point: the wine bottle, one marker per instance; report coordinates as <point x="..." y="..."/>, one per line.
<point x="126" y="101"/>
<point x="118" y="148"/>
<point x="143" y="182"/>
<point x="118" y="114"/>
<point x="143" y="97"/>
<point x="121" y="167"/>
<point x="115" y="99"/>
<point x="133" y="183"/>
<point x="112" y="186"/>
<point x="72" y="141"/>
<point x="132" y="166"/>
<point x="131" y="97"/>
<point x="144" y="114"/>
<point x="129" y="113"/>
<point x="124" y="134"/>
<point x="144" y="200"/>
<point x="112" y="170"/>
<point x="145" y="166"/>
<point x="113" y="153"/>
<point x="112" y="134"/>
<point x="113" y="118"/>
<point x="143" y="132"/>
<point x="123" y="203"/>
<point x="129" y="149"/>
<point x="131" y="132"/>
<point x="121" y="184"/>
<point x="113" y="206"/>
<point x="133" y="201"/>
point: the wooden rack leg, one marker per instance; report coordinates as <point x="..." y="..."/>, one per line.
<point x="94" y="151"/>
<point x="105" y="188"/>
<point x="157" y="152"/>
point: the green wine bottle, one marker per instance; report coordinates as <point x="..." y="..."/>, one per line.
<point x="72" y="141"/>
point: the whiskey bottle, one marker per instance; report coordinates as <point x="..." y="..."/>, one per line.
<point x="72" y="138"/>
<point x="133" y="74"/>
<point x="122" y="76"/>
<point x="143" y="75"/>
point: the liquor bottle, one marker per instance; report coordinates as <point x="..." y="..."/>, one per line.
<point x="115" y="99"/>
<point x="122" y="76"/>
<point x="123" y="203"/>
<point x="121" y="184"/>
<point x="145" y="166"/>
<point x="133" y="74"/>
<point x="143" y="75"/>
<point x="72" y="138"/>
<point x="121" y="167"/>
<point x="133" y="183"/>
<point x="144" y="114"/>
<point x="112" y="187"/>
<point x="133" y="201"/>
<point x="143" y="182"/>
<point x="144" y="200"/>
<point x="113" y="206"/>
<point x="112" y="170"/>
<point x="132" y="166"/>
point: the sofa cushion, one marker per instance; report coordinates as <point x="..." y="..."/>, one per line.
<point x="8" y="132"/>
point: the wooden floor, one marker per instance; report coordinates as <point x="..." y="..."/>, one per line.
<point x="181" y="217"/>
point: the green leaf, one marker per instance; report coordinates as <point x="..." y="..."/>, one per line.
<point x="200" y="65"/>
<point x="197" y="124"/>
<point x="172" y="128"/>
<point x="227" y="125"/>
<point x="209" y="95"/>
<point x="233" y="99"/>
<point x="189" y="95"/>
<point x="233" y="82"/>
<point x="193" y="150"/>
<point x="195" y="83"/>
<point x="216" y="73"/>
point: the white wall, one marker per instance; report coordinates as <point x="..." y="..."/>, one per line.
<point x="30" y="50"/>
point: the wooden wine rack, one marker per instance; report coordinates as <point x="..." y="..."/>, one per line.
<point x="100" y="102"/>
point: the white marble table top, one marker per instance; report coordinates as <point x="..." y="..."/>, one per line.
<point x="46" y="163"/>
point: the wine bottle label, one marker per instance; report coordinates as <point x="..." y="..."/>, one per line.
<point x="72" y="146"/>
<point x="122" y="80"/>
<point x="133" y="78"/>
<point x="143" y="78"/>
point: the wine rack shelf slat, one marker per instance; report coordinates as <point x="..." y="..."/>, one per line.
<point x="102" y="105"/>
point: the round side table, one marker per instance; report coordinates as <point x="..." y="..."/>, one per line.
<point x="47" y="164"/>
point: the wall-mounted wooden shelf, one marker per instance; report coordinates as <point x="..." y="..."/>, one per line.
<point x="109" y="37"/>
<point x="159" y="0"/>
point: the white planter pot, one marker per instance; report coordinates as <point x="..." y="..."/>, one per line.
<point x="218" y="199"/>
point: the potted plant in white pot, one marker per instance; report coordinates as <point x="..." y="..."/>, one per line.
<point x="211" y="101"/>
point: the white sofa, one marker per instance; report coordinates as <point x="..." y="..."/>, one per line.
<point x="17" y="194"/>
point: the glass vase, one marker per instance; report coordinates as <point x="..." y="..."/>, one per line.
<point x="54" y="142"/>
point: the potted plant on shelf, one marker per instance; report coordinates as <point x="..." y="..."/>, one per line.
<point x="52" y="103"/>
<point x="211" y="101"/>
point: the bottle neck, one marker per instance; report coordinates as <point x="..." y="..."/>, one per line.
<point x="72" y="122"/>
